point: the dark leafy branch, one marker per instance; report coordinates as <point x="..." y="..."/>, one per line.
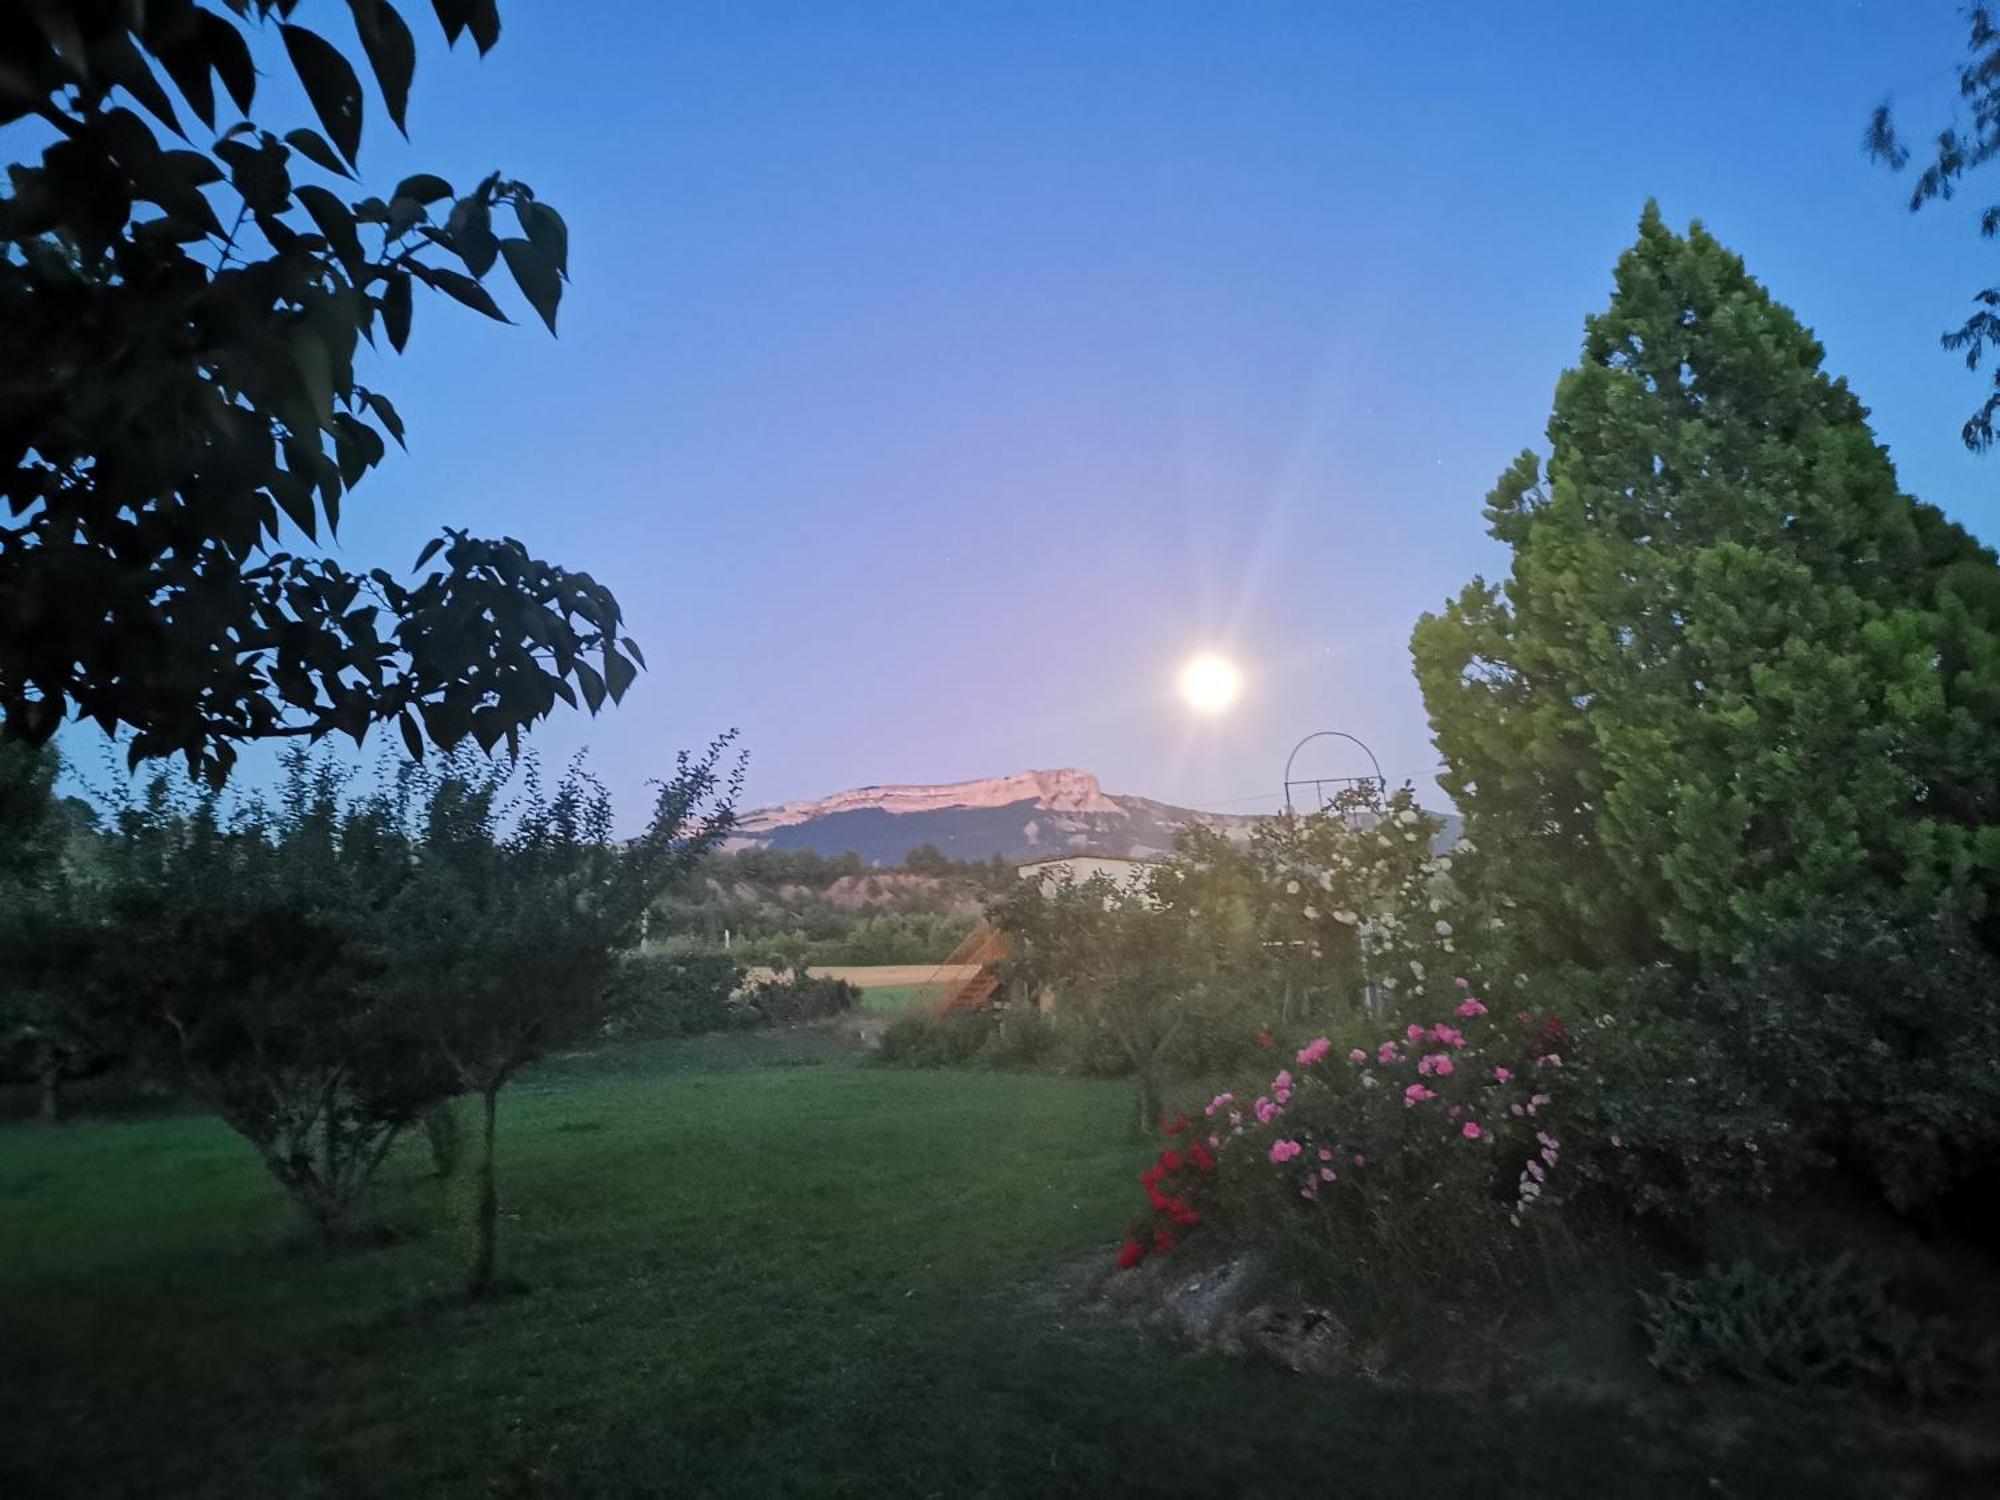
<point x="178" y="329"/>
<point x="1956" y="151"/>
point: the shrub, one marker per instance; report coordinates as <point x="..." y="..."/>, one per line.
<point x="684" y="995"/>
<point x="1410" y="1166"/>
<point x="1812" y="1329"/>
<point x="938" y="1041"/>
<point x="1020" y="1037"/>
<point x="797" y="998"/>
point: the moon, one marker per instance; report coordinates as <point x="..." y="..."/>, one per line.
<point x="1210" y="683"/>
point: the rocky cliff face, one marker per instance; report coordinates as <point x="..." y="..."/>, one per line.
<point x="1034" y="815"/>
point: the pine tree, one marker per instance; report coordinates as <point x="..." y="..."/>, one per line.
<point x="1735" y="677"/>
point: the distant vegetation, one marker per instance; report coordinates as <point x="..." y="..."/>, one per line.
<point x="782" y="908"/>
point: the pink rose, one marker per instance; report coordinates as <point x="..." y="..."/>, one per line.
<point x="1284" y="1151"/>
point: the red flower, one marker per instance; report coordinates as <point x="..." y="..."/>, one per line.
<point x="1163" y="1241"/>
<point x="1181" y="1212"/>
<point x="1265" y="1039"/>
<point x="1130" y="1254"/>
<point x="1170" y="1160"/>
<point x="1201" y="1156"/>
<point x="1176" y="1126"/>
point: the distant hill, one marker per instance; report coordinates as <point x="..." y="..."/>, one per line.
<point x="1035" y="815"/>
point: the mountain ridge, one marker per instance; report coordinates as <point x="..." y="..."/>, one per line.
<point x="1025" y="816"/>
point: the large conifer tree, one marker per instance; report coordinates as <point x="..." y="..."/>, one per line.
<point x="1735" y="677"/>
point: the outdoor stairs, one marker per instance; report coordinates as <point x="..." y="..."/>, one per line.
<point x="984" y="946"/>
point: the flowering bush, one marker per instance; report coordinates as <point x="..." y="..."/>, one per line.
<point x="1415" y="1159"/>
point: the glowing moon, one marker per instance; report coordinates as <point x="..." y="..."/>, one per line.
<point x="1210" y="683"/>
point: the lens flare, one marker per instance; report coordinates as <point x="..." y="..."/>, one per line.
<point x="1210" y="683"/>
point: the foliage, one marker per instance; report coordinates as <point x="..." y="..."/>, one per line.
<point x="1405" y="1168"/>
<point x="1135" y="966"/>
<point x="237" y="956"/>
<point x="1816" y="1328"/>
<point x="1003" y="1037"/>
<point x="1874" y="1039"/>
<point x="178" y="327"/>
<point x="1678" y="1114"/>
<point x="1328" y="905"/>
<point x="659" y="996"/>
<point x="938" y="1041"/>
<point x="799" y="997"/>
<point x="1734" y="673"/>
<point x="505" y="941"/>
<point x="1955" y="154"/>
<point x="44" y="928"/>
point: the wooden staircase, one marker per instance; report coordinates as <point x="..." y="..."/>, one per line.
<point x="984" y="946"/>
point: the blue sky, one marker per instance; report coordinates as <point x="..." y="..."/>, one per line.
<point x="936" y="377"/>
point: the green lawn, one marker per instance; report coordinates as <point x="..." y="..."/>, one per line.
<point x="755" y="1266"/>
<point x="894" y="999"/>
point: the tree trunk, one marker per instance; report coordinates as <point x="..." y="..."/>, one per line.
<point x="49" y="1110"/>
<point x="486" y="1220"/>
<point x="1149" y="1097"/>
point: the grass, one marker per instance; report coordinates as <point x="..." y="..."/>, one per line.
<point x="753" y="1266"/>
<point x="894" y="999"/>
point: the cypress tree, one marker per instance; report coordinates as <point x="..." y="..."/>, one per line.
<point x="1735" y="677"/>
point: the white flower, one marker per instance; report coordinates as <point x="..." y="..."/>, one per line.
<point x="1346" y="918"/>
<point x="1417" y="970"/>
<point x="1291" y="887"/>
<point x="1406" y="817"/>
<point x="1442" y="928"/>
<point x="1311" y="913"/>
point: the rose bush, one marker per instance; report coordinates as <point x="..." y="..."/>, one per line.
<point x="1415" y="1162"/>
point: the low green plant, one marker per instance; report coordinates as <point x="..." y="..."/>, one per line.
<point x="798" y="997"/>
<point x="938" y="1041"/>
<point x="1813" y="1329"/>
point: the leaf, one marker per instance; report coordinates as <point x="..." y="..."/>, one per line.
<point x="127" y="66"/>
<point x="424" y="187"/>
<point x="396" y="320"/>
<point x="470" y="230"/>
<point x="413" y="737"/>
<point x="430" y="551"/>
<point x="619" y="674"/>
<point x="386" y="415"/>
<point x="295" y="497"/>
<point x="336" y="223"/>
<point x="632" y="650"/>
<point x="462" y="288"/>
<point x="187" y="64"/>
<point x="592" y="685"/>
<point x="536" y="278"/>
<point x="313" y="147"/>
<point x="196" y="169"/>
<point x="330" y="84"/>
<point x="392" y="53"/>
<point x="229" y="54"/>
<point x="315" y="371"/>
<point x="545" y="227"/>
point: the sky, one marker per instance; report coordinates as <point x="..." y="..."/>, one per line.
<point x="935" y="379"/>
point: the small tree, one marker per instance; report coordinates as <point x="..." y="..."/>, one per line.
<point x="1335" y="904"/>
<point x="507" y="941"/>
<point x="237" y="955"/>
<point x="1131" y="962"/>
